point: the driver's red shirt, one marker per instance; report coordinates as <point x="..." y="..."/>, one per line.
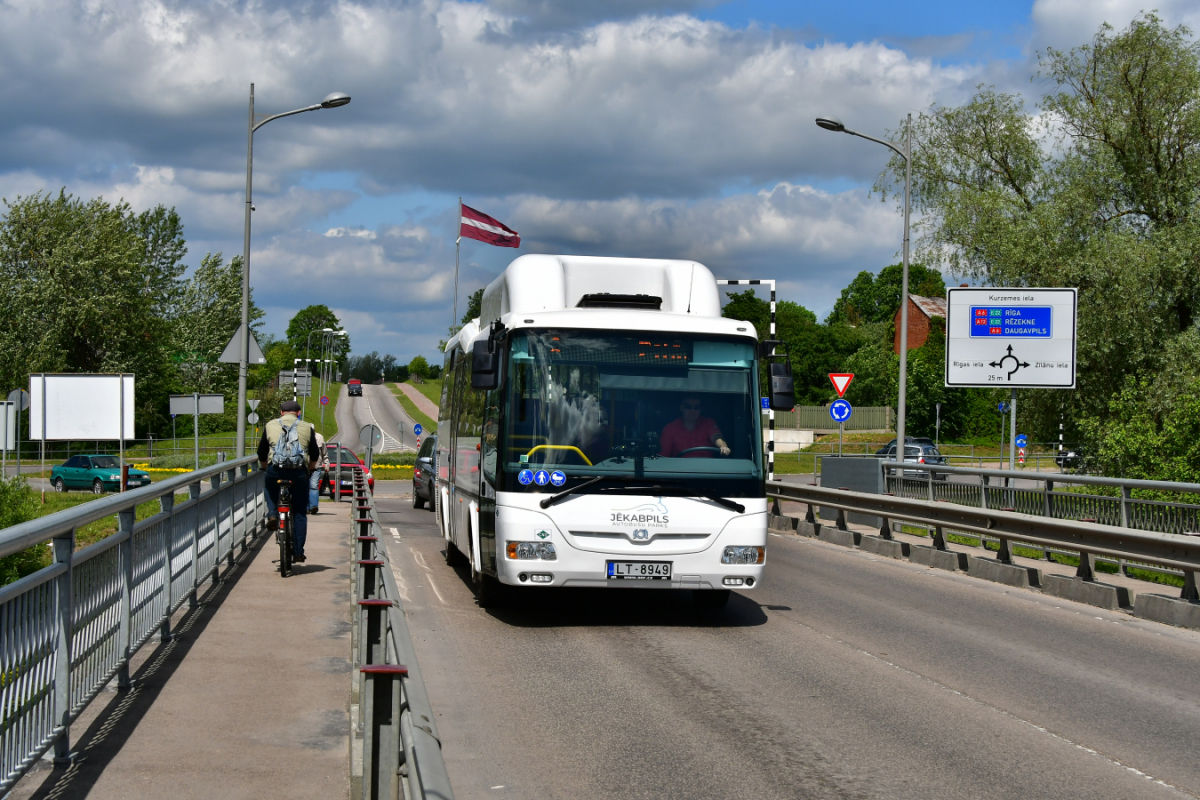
<point x="676" y="438"/>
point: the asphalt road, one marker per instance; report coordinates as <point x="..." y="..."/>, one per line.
<point x="377" y="405"/>
<point x="845" y="675"/>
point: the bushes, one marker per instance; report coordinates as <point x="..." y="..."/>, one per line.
<point x="19" y="503"/>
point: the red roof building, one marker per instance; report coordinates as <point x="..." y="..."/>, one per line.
<point x="921" y="311"/>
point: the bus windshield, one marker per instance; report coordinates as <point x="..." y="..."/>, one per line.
<point x="679" y="409"/>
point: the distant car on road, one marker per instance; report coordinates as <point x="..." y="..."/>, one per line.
<point x="890" y="448"/>
<point x="1069" y="459"/>
<point x="98" y="473"/>
<point x="918" y="454"/>
<point x="423" y="473"/>
<point x="350" y="462"/>
<point x="354" y="387"/>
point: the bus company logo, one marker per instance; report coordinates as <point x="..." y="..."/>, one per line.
<point x="650" y="515"/>
<point x="641" y="535"/>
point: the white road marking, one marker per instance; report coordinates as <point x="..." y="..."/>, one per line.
<point x="420" y="559"/>
<point x="1115" y="762"/>
<point x="394" y="532"/>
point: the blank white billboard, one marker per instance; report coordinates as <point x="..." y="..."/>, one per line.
<point x="80" y="407"/>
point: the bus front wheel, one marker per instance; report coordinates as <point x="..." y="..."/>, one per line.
<point x="489" y="591"/>
<point x="710" y="598"/>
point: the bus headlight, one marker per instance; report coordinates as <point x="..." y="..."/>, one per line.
<point x="743" y="555"/>
<point x="528" y="551"/>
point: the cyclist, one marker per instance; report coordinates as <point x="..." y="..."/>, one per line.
<point x="288" y="452"/>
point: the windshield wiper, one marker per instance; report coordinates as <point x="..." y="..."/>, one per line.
<point x="685" y="490"/>
<point x="554" y="498"/>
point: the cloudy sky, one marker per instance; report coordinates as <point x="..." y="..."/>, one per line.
<point x="654" y="128"/>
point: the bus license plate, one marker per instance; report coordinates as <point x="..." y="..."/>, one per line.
<point x="639" y="570"/>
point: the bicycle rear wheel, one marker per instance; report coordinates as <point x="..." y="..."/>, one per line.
<point x="284" y="534"/>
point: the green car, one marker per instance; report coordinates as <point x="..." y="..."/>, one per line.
<point x="98" y="473"/>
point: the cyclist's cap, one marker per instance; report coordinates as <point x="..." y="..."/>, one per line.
<point x="289" y="405"/>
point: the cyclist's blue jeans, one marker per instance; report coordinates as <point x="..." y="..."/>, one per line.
<point x="298" y="478"/>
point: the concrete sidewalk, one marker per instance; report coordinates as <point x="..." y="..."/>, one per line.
<point x="423" y="403"/>
<point x="249" y="700"/>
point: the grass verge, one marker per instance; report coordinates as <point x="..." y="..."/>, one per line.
<point x="411" y="409"/>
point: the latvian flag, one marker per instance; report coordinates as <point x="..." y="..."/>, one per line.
<point x="476" y="225"/>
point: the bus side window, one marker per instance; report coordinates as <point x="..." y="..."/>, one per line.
<point x="491" y="434"/>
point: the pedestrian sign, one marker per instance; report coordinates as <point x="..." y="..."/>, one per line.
<point x="840" y="410"/>
<point x="841" y="381"/>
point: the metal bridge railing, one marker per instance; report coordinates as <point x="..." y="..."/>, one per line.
<point x="402" y="751"/>
<point x="69" y="629"/>
<point x="1007" y="514"/>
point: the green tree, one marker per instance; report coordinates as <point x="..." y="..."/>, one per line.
<point x="86" y="287"/>
<point x="877" y="299"/>
<point x="1110" y="207"/>
<point x="419" y="367"/>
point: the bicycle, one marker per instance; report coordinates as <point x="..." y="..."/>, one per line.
<point x="286" y="529"/>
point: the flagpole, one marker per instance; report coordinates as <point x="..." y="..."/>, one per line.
<point x="457" y="243"/>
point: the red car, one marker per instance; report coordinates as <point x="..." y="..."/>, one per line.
<point x="350" y="462"/>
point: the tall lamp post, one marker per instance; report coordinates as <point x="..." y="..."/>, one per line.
<point x="307" y="342"/>
<point x="834" y="124"/>
<point x="328" y="371"/>
<point x="333" y="100"/>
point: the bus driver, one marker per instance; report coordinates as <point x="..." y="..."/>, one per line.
<point x="690" y="431"/>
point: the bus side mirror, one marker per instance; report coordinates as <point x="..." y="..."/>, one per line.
<point x="783" y="389"/>
<point x="766" y="348"/>
<point x="485" y="366"/>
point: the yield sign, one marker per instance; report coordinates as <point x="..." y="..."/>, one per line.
<point x="841" y="381"/>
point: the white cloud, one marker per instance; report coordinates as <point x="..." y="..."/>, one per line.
<point x="621" y="136"/>
<point x="1064" y="24"/>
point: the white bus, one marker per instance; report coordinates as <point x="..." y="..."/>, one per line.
<point x="600" y="426"/>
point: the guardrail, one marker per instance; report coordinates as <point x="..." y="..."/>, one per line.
<point x="1088" y="537"/>
<point x="996" y="489"/>
<point x="69" y="629"/>
<point x="402" y="751"/>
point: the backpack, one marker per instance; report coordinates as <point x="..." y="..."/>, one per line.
<point x="289" y="453"/>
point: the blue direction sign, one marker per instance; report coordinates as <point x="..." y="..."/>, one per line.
<point x="840" y="410"/>
<point x="1021" y="440"/>
<point x="766" y="403"/>
<point x="417" y="429"/>
<point x="1023" y="322"/>
<point x="1002" y="407"/>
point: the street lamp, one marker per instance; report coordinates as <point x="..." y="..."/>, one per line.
<point x="834" y="124"/>
<point x="328" y="370"/>
<point x="307" y="342"/>
<point x="333" y="100"/>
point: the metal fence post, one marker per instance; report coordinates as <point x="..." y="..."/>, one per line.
<point x="1189" y="586"/>
<point x="231" y="503"/>
<point x="125" y="522"/>
<point x="383" y="749"/>
<point x="1126" y="495"/>
<point x="64" y="549"/>
<point x="194" y="491"/>
<point x="983" y="487"/>
<point x="167" y="504"/>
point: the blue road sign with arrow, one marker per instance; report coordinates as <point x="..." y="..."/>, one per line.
<point x="840" y="410"/>
<point x="417" y="429"/>
<point x="1021" y="440"/>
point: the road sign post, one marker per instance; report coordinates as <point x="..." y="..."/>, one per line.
<point x="371" y="436"/>
<point x="20" y="398"/>
<point x="196" y="404"/>
<point x="841" y="410"/>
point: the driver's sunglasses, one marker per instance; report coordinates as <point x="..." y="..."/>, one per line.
<point x="691" y="406"/>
